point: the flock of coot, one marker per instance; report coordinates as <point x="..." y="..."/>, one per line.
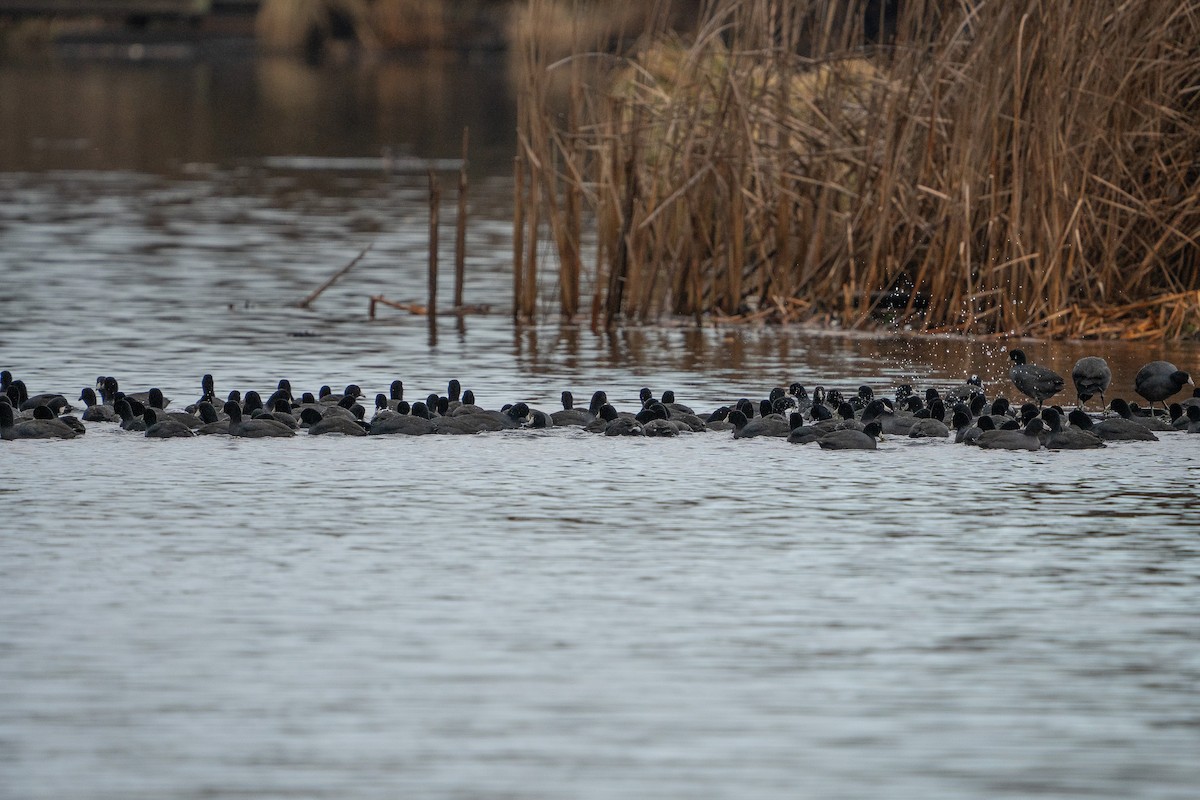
<point x="830" y="418"/>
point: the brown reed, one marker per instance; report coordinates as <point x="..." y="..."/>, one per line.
<point x="1018" y="168"/>
<point x="435" y="203"/>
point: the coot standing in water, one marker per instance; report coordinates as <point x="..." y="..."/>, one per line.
<point x="1032" y="380"/>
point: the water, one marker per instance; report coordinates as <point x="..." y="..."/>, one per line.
<point x="529" y="614"/>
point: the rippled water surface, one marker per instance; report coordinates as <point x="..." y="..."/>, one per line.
<point x="528" y="614"/>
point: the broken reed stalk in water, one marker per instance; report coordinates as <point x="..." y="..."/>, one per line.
<point x="308" y="301"/>
<point x="997" y="168"/>
<point x="435" y="201"/>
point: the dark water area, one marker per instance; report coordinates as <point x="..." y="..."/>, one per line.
<point x="159" y="117"/>
<point x="534" y="614"/>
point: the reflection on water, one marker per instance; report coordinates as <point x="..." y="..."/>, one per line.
<point x="528" y="614"/>
<point x="155" y="118"/>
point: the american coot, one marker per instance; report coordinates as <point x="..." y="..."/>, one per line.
<point x="211" y="423"/>
<point x="438" y="406"/>
<point x="655" y="420"/>
<point x="18" y="395"/>
<point x="278" y="409"/>
<point x="1032" y="380"/>
<point x="1072" y="438"/>
<point x="1149" y="423"/>
<point x="1179" y="420"/>
<point x="351" y="390"/>
<point x="999" y="406"/>
<point x="96" y="411"/>
<point x="381" y="407"/>
<point x="800" y="395"/>
<point x="668" y="400"/>
<point x="971" y="388"/>
<point x="933" y="426"/>
<point x="965" y="431"/>
<point x="467" y="406"/>
<point x="1193" y="416"/>
<point x="976" y="404"/>
<point x="1091" y="377"/>
<point x="681" y="421"/>
<point x="801" y="433"/>
<point x="744" y="428"/>
<point x="612" y="422"/>
<point x="1113" y="429"/>
<point x="1024" y="439"/>
<point x="604" y="416"/>
<point x="686" y="422"/>
<point x="208" y="392"/>
<point x="718" y="420"/>
<point x="395" y="394"/>
<point x="70" y="420"/>
<point x="343" y="408"/>
<point x="261" y="428"/>
<point x="453" y="394"/>
<point x="883" y="411"/>
<point x="52" y="400"/>
<point x="1158" y="380"/>
<point x="251" y="404"/>
<point x="483" y="421"/>
<point x="111" y="388"/>
<point x="129" y="421"/>
<point x="819" y="412"/>
<point x="156" y="401"/>
<point x="166" y="428"/>
<point x="880" y="409"/>
<point x="849" y="439"/>
<point x="862" y="397"/>
<point x="540" y="419"/>
<point x="31" y="429"/>
<point x="845" y="418"/>
<point x="569" y="415"/>
<point x="901" y="417"/>
<point x="623" y="426"/>
<point x="107" y="388"/>
<point x="417" y="423"/>
<point x="999" y="412"/>
<point x="319" y="426"/>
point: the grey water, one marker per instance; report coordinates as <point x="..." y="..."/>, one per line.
<point x="533" y="614"/>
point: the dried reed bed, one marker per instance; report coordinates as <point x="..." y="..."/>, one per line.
<point x="1025" y="167"/>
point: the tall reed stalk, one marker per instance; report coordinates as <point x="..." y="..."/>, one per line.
<point x="1022" y="167"/>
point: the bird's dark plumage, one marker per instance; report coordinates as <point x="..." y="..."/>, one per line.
<point x="1032" y="380"/>
<point x="1091" y="377"/>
